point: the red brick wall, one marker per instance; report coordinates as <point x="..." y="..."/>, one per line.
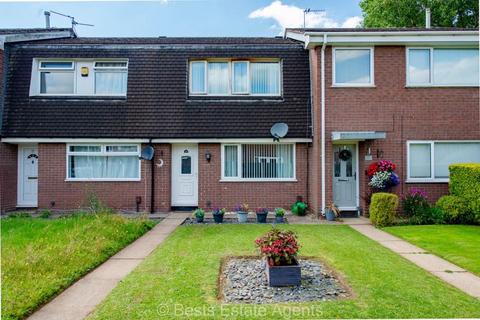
<point x="122" y="195"/>
<point x="8" y="177"/>
<point x="403" y="113"/>
<point x="230" y="194"/>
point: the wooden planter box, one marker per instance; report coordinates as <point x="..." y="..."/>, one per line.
<point x="282" y="276"/>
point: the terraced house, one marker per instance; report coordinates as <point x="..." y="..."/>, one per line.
<point x="77" y="113"/>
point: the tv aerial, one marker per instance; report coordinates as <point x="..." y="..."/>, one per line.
<point x="307" y="11"/>
<point x="72" y="19"/>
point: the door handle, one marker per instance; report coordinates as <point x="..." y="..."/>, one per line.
<point x="32" y="178"/>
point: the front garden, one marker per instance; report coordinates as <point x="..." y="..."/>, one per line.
<point x="42" y="257"/>
<point x="182" y="278"/>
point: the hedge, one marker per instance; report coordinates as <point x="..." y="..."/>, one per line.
<point x="465" y="183"/>
<point x="383" y="209"/>
<point x="455" y="208"/>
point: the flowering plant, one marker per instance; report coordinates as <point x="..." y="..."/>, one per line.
<point x="279" y="212"/>
<point x="242" y="208"/>
<point x="415" y="202"/>
<point x="382" y="175"/>
<point x="279" y="247"/>
<point x="220" y="211"/>
<point x="261" y="210"/>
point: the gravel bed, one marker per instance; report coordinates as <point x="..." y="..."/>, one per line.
<point x="243" y="280"/>
<point x="229" y="220"/>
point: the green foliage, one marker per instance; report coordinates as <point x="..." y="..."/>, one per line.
<point x="45" y="214"/>
<point x="456" y="209"/>
<point x="279" y="212"/>
<point x="411" y="13"/>
<point x="41" y="257"/>
<point x="465" y="183"/>
<point x="20" y="214"/>
<point x="199" y="213"/>
<point x="383" y="209"/>
<point x="299" y="208"/>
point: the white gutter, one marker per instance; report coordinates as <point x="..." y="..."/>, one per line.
<point x="323" y="118"/>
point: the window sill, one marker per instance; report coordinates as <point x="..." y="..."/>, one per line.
<point x="427" y="181"/>
<point x="419" y="86"/>
<point x="78" y="97"/>
<point x="258" y="180"/>
<point x="237" y="98"/>
<point x="103" y="180"/>
<point x="353" y="86"/>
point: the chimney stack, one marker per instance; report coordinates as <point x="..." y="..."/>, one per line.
<point x="428" y="18"/>
<point x="47" y="19"/>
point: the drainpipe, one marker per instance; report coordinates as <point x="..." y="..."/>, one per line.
<point x="152" y="181"/>
<point x="323" y="118"/>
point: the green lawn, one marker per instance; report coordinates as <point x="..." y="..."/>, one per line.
<point x="179" y="279"/>
<point x="457" y="243"/>
<point x="42" y="257"/>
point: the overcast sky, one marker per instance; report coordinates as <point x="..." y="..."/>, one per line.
<point x="182" y="17"/>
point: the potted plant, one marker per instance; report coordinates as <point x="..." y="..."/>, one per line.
<point x="199" y="214"/>
<point x="331" y="212"/>
<point x="242" y="212"/>
<point x="218" y="214"/>
<point x="261" y="214"/>
<point x="279" y="248"/>
<point x="299" y="208"/>
<point x="279" y="215"/>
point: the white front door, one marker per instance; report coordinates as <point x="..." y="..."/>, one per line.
<point x="27" y="176"/>
<point x="184" y="175"/>
<point x="344" y="176"/>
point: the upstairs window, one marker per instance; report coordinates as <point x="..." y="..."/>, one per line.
<point x="353" y="67"/>
<point x="79" y="77"/>
<point x="442" y="67"/>
<point x="219" y="78"/>
<point x="110" y="78"/>
<point x="56" y="77"/>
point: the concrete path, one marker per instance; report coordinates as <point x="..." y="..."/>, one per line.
<point x="83" y="296"/>
<point x="448" y="272"/>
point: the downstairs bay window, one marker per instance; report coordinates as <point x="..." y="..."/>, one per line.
<point x="103" y="162"/>
<point x="258" y="162"/>
<point x="428" y="161"/>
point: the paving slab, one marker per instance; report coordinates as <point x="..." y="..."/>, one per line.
<point x="374" y="233"/>
<point x="400" y="246"/>
<point x="431" y="262"/>
<point x="464" y="281"/>
<point x="80" y="299"/>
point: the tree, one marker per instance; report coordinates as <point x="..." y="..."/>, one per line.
<point x="411" y="13"/>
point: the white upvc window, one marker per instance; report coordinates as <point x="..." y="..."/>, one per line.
<point x="111" y="77"/>
<point x="442" y="66"/>
<point x="103" y="162"/>
<point x="56" y="77"/>
<point x="258" y="162"/>
<point x="79" y="77"/>
<point x="353" y="67"/>
<point x="225" y="78"/>
<point x="428" y="161"/>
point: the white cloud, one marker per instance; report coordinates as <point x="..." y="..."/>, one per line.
<point x="289" y="16"/>
<point x="352" y="22"/>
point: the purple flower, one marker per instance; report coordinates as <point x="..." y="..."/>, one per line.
<point x="413" y="192"/>
<point x="394" y="180"/>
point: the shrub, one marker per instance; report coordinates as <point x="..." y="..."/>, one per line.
<point x="199" y="213"/>
<point x="383" y="209"/>
<point x="20" y="214"/>
<point x="455" y="209"/>
<point x="299" y="208"/>
<point x="414" y="201"/>
<point x="465" y="183"/>
<point x="279" y="212"/>
<point x="280" y="247"/>
<point x="45" y="214"/>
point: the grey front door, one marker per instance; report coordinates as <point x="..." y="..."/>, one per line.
<point x="344" y="176"/>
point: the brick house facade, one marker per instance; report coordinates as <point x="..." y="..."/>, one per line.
<point x="159" y="110"/>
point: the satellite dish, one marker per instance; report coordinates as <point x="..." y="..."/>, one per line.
<point x="279" y="130"/>
<point x="147" y="153"/>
